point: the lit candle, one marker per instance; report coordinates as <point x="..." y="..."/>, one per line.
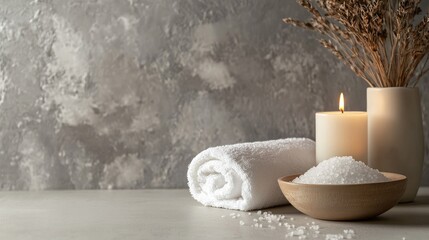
<point x="341" y="134"/>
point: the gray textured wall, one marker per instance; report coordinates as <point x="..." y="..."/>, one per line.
<point x="122" y="94"/>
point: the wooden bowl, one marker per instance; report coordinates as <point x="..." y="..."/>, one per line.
<point x="345" y="201"/>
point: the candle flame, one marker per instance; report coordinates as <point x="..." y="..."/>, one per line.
<point x="342" y="103"/>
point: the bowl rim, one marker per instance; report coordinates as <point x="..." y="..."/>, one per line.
<point x="398" y="175"/>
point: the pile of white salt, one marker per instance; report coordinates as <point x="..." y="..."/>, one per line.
<point x="341" y="170"/>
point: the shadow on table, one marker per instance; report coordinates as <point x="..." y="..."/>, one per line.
<point x="286" y="209"/>
<point x="407" y="214"/>
<point x="417" y="219"/>
<point x="420" y="201"/>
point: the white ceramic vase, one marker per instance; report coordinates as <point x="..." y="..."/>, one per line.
<point x="395" y="134"/>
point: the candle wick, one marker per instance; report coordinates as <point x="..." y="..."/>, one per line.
<point x="342" y="110"/>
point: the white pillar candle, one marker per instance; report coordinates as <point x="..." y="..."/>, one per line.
<point x="341" y="134"/>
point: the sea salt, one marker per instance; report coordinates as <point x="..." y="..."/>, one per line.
<point x="298" y="232"/>
<point x="314" y="227"/>
<point x="334" y="237"/>
<point x="307" y="230"/>
<point x="341" y="170"/>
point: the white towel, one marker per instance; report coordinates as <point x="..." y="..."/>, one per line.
<point x="244" y="176"/>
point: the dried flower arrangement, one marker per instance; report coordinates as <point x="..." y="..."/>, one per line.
<point x="379" y="39"/>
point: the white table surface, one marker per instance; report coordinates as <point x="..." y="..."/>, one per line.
<point x="173" y="214"/>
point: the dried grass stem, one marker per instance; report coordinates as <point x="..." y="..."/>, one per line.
<point x="379" y="40"/>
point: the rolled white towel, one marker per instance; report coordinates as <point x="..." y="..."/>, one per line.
<point x="244" y="176"/>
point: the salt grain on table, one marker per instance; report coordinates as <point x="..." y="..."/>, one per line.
<point x="268" y="220"/>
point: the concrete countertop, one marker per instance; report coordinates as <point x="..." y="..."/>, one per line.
<point x="173" y="214"/>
